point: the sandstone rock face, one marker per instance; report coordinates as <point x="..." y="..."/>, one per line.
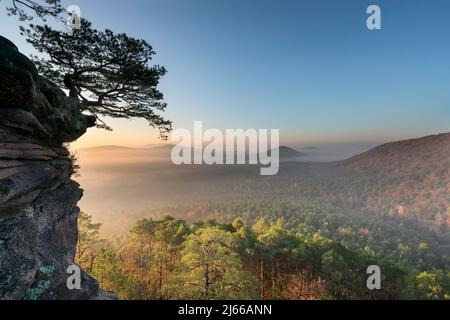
<point x="38" y="199"/>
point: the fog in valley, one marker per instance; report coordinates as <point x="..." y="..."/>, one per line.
<point x="125" y="184"/>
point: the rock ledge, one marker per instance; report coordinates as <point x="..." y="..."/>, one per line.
<point x="38" y="199"/>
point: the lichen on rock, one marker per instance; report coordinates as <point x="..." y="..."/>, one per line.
<point x="38" y="199"/>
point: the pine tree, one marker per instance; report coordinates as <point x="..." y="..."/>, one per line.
<point x="211" y="268"/>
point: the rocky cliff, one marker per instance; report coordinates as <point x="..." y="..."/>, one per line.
<point x="38" y="199"/>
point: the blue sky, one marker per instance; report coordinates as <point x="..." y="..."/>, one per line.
<point x="310" y="68"/>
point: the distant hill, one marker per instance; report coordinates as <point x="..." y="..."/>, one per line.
<point x="311" y="148"/>
<point x="289" y="153"/>
<point x="163" y="147"/>
<point x="106" y="148"/>
<point x="406" y="156"/>
<point x="411" y="176"/>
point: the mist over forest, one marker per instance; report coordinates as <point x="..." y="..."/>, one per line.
<point x="125" y="183"/>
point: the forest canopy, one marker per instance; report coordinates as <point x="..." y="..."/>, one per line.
<point x="170" y="259"/>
